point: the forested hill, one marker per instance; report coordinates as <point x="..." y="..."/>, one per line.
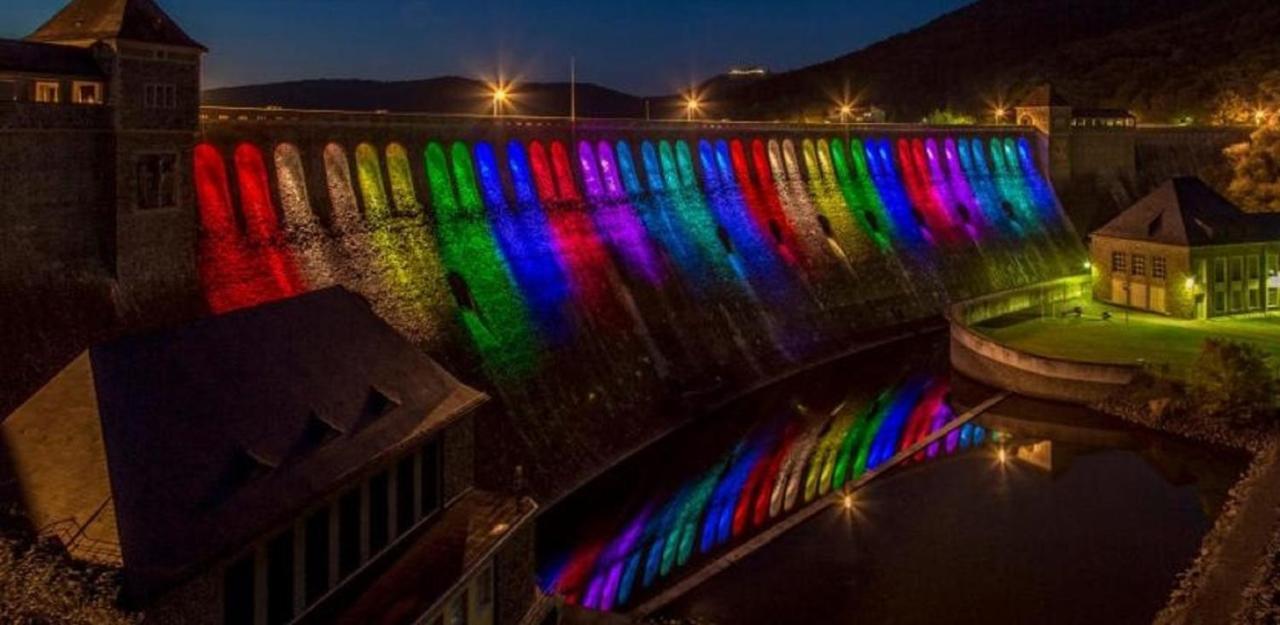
<point x="1163" y="59"/>
<point x="1166" y="60"/>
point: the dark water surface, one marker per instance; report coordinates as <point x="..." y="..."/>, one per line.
<point x="1087" y="519"/>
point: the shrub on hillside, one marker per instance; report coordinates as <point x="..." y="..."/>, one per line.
<point x="1232" y="380"/>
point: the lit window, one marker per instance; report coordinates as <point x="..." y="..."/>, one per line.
<point x="1117" y="261"/>
<point x="1139" y="265"/>
<point x="157" y="181"/>
<point x="48" y="92"/>
<point x="86" y="93"/>
<point x="1158" y="267"/>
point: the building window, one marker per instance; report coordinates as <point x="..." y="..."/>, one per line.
<point x="484" y="588"/>
<point x="48" y="92"/>
<point x="456" y="613"/>
<point x="280" y="579"/>
<point x="1159" y="268"/>
<point x="1139" y="265"/>
<point x="86" y="92"/>
<point x="429" y="480"/>
<point x="160" y="96"/>
<point x="1117" y="261"/>
<point x="348" y="533"/>
<point x="404" y="495"/>
<point x="1255" y="283"/>
<point x="157" y="180"/>
<point x="8" y="91"/>
<point x="237" y="592"/>
<point x="317" y="554"/>
<point x="1273" y="280"/>
<point x="379" y="518"/>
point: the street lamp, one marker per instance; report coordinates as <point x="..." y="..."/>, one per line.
<point x="846" y="111"/>
<point x="691" y="105"/>
<point x="999" y="114"/>
<point x="501" y="94"/>
<point x="1259" y="116"/>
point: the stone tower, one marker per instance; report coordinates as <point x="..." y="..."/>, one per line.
<point x="153" y="90"/>
<point x="1051" y="115"/>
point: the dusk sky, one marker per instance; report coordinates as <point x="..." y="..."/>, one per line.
<point x="645" y="47"/>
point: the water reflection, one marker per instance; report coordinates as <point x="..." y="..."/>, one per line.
<point x="1057" y="482"/>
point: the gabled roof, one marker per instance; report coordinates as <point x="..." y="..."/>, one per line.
<point x="1186" y="212"/>
<point x="1044" y="95"/>
<point x="46" y="58"/>
<point x="218" y="431"/>
<point x="96" y="20"/>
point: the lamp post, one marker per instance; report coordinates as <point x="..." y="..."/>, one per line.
<point x="500" y="97"/>
<point x="998" y="113"/>
<point x="691" y="105"/>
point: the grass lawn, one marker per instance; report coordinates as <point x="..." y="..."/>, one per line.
<point x="1126" y="338"/>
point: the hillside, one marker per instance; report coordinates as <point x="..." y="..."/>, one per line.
<point x="449" y="94"/>
<point x="1164" y="59"/>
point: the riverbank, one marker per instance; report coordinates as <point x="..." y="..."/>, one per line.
<point x="1236" y="574"/>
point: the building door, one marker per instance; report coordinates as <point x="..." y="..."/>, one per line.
<point x="1119" y="294"/>
<point x="1158" y="300"/>
<point x="1138" y="294"/>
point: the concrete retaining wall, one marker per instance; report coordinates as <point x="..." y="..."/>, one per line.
<point x="991" y="362"/>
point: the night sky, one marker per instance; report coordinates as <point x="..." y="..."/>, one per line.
<point x="645" y="47"/>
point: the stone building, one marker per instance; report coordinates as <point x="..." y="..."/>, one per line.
<point x="295" y="462"/>
<point x="1186" y="251"/>
<point x="1081" y="142"/>
<point x="101" y="104"/>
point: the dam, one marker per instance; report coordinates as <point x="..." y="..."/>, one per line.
<point x="594" y="275"/>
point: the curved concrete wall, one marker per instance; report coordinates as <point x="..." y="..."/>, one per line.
<point x="993" y="363"/>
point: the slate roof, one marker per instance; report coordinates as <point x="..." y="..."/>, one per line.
<point x="46" y="58"/>
<point x="1185" y="212"/>
<point x="133" y="20"/>
<point x="220" y="430"/>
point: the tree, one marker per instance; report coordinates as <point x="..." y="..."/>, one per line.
<point x="1255" y="183"/>
<point x="1232" y="380"/>
<point x="948" y="117"/>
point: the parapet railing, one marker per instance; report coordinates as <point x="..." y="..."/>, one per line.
<point x="232" y="114"/>
<point x="963" y="315"/>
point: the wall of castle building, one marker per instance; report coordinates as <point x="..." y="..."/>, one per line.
<point x="57" y="196"/>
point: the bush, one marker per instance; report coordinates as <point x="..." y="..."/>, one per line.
<point x="1232" y="380"/>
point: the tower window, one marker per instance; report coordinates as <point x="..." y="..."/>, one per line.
<point x="160" y="96"/>
<point x="48" y="92"/>
<point x="157" y="180"/>
<point x="86" y="92"/>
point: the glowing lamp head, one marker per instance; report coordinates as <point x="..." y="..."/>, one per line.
<point x="1190" y="283"/>
<point x="1002" y="455"/>
<point x="500" y="94"/>
<point x="692" y="104"/>
<point x="999" y="112"/>
<point x="1088" y="265"/>
<point x="847" y="502"/>
<point x="1259" y="116"/>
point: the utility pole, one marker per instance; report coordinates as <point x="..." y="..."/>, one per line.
<point x="573" y="90"/>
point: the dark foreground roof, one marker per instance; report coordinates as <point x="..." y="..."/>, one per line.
<point x="47" y="58"/>
<point x="1185" y="212"/>
<point x="96" y="20"/>
<point x="216" y="432"/>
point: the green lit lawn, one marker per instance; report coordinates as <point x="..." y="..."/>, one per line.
<point x="1153" y="338"/>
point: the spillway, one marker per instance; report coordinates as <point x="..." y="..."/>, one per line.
<point x="589" y="278"/>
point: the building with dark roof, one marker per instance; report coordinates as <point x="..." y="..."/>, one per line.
<point x="1185" y="251"/>
<point x="1080" y="142"/>
<point x="270" y="466"/>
